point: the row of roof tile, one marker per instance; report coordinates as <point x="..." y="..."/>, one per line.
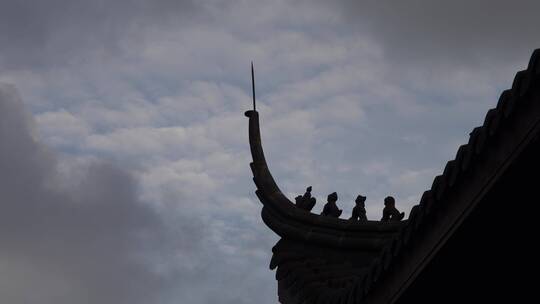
<point x="466" y="157"/>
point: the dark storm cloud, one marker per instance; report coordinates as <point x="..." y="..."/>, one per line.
<point x="447" y="31"/>
<point x="75" y="231"/>
<point x="75" y="241"/>
<point x="45" y="33"/>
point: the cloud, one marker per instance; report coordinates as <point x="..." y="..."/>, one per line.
<point x="74" y="229"/>
<point x="62" y="32"/>
<point x="61" y="128"/>
<point x="144" y="101"/>
<point x="68" y="244"/>
<point x="446" y="32"/>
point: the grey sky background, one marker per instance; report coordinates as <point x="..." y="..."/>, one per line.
<point x="123" y="146"/>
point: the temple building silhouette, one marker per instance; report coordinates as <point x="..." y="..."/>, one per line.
<point x="471" y="237"/>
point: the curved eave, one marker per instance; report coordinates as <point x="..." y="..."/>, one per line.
<point x="308" y="276"/>
<point x="288" y="221"/>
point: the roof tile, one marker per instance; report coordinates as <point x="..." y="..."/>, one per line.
<point x="495" y="123"/>
<point x="534" y="63"/>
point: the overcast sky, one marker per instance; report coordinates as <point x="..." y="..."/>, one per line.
<point x="124" y="158"/>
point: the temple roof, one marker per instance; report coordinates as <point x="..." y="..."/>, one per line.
<point x="329" y="260"/>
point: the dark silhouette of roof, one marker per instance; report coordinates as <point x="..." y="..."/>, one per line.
<point x="330" y="260"/>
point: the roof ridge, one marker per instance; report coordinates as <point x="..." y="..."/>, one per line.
<point x="494" y="121"/>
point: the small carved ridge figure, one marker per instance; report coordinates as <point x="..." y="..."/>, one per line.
<point x="305" y="202"/>
<point x="390" y="213"/>
<point x="359" y="211"/>
<point x="298" y="201"/>
<point x="309" y="202"/>
<point x="330" y="208"/>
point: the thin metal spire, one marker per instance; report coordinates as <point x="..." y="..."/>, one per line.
<point x="253" y="84"/>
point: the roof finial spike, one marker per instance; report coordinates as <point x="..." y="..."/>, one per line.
<point x="253" y="84"/>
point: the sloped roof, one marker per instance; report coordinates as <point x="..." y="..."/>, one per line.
<point x="328" y="260"/>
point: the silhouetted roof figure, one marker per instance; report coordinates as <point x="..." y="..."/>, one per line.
<point x="390" y="213"/>
<point x="323" y="259"/>
<point x="299" y="201"/>
<point x="307" y="194"/>
<point x="359" y="211"/>
<point x="305" y="202"/>
<point x="330" y="208"/>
